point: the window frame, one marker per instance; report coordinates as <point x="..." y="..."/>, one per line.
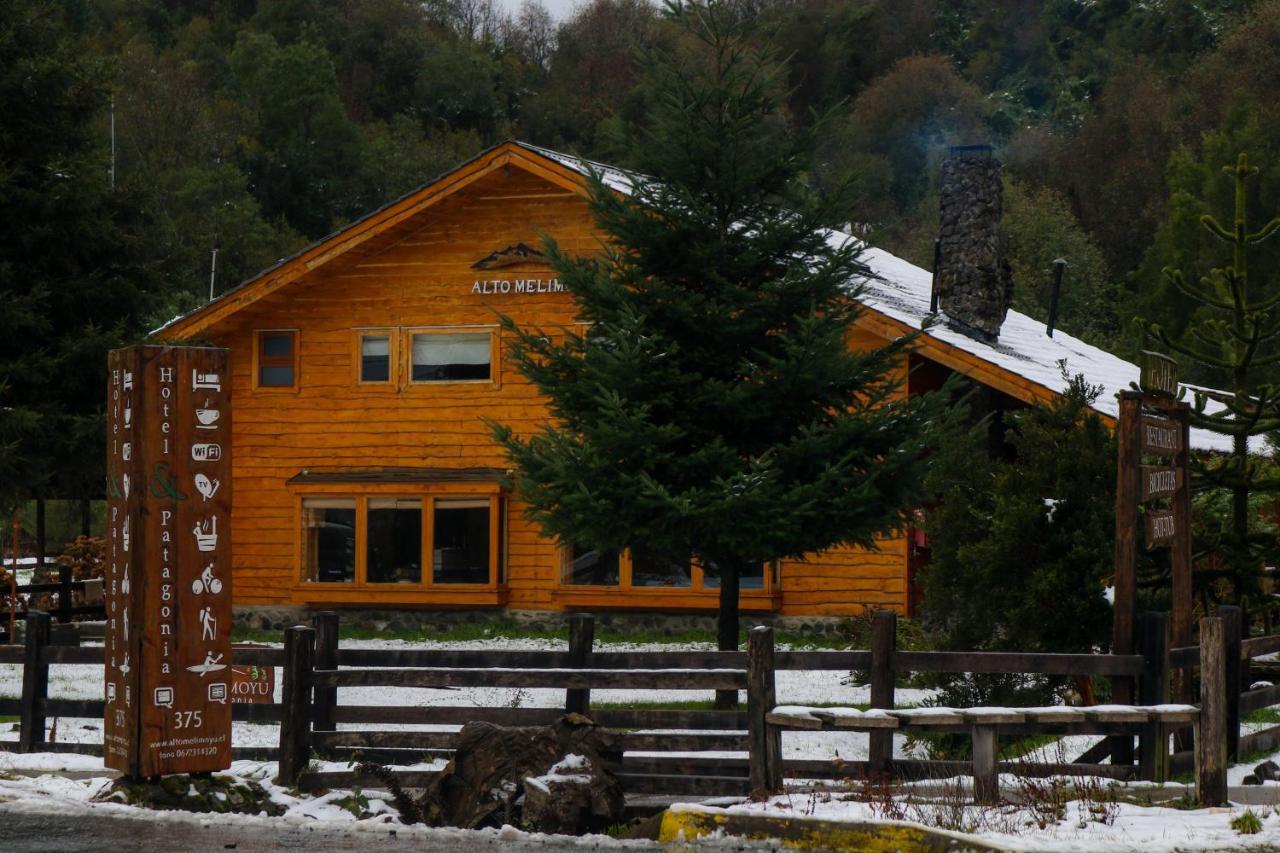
<point x="392" y="382"/>
<point x="360" y="587"/>
<point x="495" y="352"/>
<point x="258" y="361"/>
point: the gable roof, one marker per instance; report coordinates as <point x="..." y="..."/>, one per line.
<point x="1024" y="362"/>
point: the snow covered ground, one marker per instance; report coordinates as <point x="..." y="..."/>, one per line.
<point x="67" y="784"/>
<point x="1126" y="827"/>
<point x="69" y="781"/>
<point x="73" y="797"/>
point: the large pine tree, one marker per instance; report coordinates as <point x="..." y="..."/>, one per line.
<point x="72" y="280"/>
<point x="1237" y="341"/>
<point x="713" y="409"/>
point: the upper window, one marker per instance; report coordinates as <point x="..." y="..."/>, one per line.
<point x="451" y="356"/>
<point x="277" y="359"/>
<point x="375" y="357"/>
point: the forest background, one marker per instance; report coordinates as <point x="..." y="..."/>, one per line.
<point x="167" y="129"/>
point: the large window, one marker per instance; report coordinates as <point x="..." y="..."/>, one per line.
<point x="451" y="356"/>
<point x="384" y="541"/>
<point x="329" y="539"/>
<point x="589" y="567"/>
<point x="752" y="576"/>
<point x="393" y="543"/>
<point x="276" y="357"/>
<point x="653" y="570"/>
<point x="639" y="569"/>
<point x="460" y="552"/>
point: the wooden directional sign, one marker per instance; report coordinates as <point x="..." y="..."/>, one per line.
<point x="1159" y="436"/>
<point x="1140" y="432"/>
<point x="1161" y="528"/>
<point x="168" y="636"/>
<point x="1158" y="374"/>
<point x="1159" y="482"/>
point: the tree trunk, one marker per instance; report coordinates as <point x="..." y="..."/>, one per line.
<point x="727" y="624"/>
<point x="1243" y="569"/>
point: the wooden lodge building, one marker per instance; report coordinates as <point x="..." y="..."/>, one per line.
<point x="364" y="366"/>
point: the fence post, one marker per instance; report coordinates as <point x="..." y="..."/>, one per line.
<point x="1211" y="733"/>
<point x="1153" y="689"/>
<point x="295" y="719"/>
<point x="326" y="698"/>
<point x="986" y="773"/>
<point x="764" y="742"/>
<point x="64" y="593"/>
<point x="884" y="642"/>
<point x="1233" y="633"/>
<point x="35" y="682"/>
<point x="582" y="631"/>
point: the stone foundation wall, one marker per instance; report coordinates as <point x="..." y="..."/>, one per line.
<point x="427" y="622"/>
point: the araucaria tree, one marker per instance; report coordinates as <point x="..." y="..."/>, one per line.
<point x="711" y="411"/>
<point x="1238" y="341"/>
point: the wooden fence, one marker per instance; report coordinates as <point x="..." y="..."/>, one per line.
<point x="66" y="610"/>
<point x="669" y="747"/>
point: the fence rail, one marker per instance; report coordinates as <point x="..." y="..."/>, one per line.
<point x="314" y="667"/>
<point x="66" y="609"/>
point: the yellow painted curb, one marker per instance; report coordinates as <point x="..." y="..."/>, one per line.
<point x="814" y="834"/>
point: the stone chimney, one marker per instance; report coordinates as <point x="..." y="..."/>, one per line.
<point x="972" y="279"/>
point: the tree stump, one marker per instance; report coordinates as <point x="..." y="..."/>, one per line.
<point x="485" y="783"/>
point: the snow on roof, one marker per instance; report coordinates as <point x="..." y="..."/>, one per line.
<point x="901" y="290"/>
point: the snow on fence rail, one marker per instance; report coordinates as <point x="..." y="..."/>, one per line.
<point x="315" y="666"/>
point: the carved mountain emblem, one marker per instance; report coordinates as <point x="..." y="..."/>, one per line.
<point x="512" y="256"/>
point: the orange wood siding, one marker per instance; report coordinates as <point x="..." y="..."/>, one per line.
<point x="417" y="273"/>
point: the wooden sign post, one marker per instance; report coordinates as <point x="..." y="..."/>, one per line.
<point x="1154" y="436"/>
<point x="168" y="579"/>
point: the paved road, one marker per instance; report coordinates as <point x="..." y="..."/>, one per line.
<point x="22" y="831"/>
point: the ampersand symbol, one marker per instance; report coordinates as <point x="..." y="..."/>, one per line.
<point x="164" y="484"/>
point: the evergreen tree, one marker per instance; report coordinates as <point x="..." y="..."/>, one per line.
<point x="713" y="409"/>
<point x="1237" y="339"/>
<point x="71" y="281"/>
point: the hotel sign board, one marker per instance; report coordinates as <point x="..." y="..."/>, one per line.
<point x="168" y="680"/>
